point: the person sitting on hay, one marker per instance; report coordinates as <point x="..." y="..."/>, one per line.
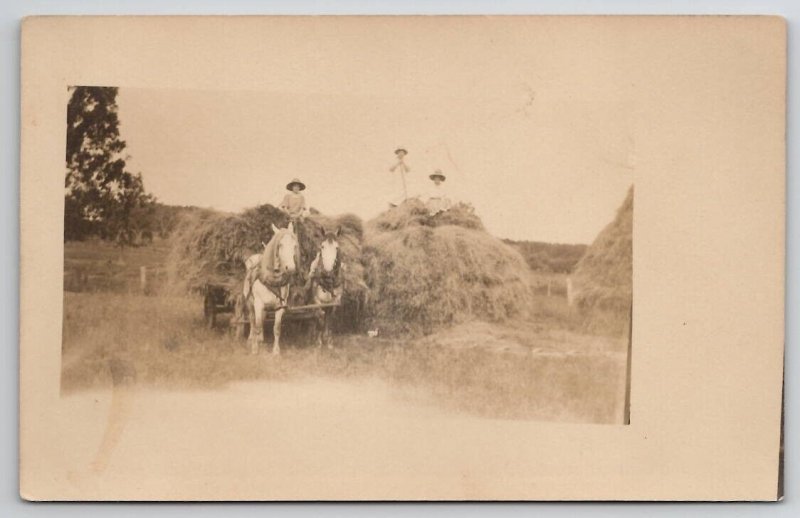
<point x="437" y="198"/>
<point x="294" y="204"/>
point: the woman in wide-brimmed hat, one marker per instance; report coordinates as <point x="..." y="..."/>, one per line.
<point x="437" y="198"/>
<point x="438" y="177"/>
<point x="294" y="204"/>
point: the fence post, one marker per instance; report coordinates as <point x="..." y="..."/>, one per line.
<point x="143" y="279"/>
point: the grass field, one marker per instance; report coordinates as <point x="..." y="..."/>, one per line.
<point x="545" y="368"/>
<point x="94" y="265"/>
<point x="522" y="370"/>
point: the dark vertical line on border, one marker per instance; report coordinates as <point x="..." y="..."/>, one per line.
<point x="781" y="465"/>
<point x="626" y="419"/>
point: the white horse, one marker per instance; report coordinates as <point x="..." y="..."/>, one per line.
<point x="268" y="287"/>
<point x="326" y="282"/>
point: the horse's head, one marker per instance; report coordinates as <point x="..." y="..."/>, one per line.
<point x="286" y="249"/>
<point x="329" y="250"/>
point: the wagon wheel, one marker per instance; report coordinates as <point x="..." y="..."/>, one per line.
<point x="209" y="310"/>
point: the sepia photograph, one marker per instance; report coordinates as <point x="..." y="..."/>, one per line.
<point x="428" y="258"/>
<point x="262" y="243"/>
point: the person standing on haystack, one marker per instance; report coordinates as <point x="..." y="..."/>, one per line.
<point x="401" y="169"/>
<point x="437" y="200"/>
<point x="294" y="204"/>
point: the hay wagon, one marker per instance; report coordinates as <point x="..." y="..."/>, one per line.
<point x="217" y="299"/>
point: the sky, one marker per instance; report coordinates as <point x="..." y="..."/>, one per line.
<point x="539" y="140"/>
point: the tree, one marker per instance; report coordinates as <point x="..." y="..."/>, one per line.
<point x="131" y="216"/>
<point x="101" y="197"/>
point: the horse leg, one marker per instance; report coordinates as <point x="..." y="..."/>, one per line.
<point x="327" y="329"/>
<point x="276" y="330"/>
<point x="251" y="318"/>
<point x="319" y="323"/>
<point x="330" y="313"/>
<point x="257" y="327"/>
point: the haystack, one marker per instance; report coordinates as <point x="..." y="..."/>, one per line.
<point x="413" y="212"/>
<point x="603" y="277"/>
<point x="425" y="272"/>
<point x="210" y="247"/>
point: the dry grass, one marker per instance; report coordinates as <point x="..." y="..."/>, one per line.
<point x="413" y="213"/>
<point x="519" y="370"/>
<point x="425" y="272"/>
<point x="212" y="246"/>
<point x="604" y="275"/>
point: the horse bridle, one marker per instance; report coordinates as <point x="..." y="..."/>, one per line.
<point x="276" y="259"/>
<point x="280" y="279"/>
<point x="327" y="280"/>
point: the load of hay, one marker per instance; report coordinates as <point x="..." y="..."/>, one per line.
<point x="425" y="272"/>
<point x="210" y="247"/>
<point x="603" y="277"/>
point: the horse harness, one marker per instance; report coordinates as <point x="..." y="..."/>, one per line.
<point x="331" y="280"/>
<point x="273" y="281"/>
<point x="275" y="284"/>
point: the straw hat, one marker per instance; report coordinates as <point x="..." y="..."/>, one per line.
<point x="293" y="182"/>
<point x="401" y="150"/>
<point x="438" y="174"/>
